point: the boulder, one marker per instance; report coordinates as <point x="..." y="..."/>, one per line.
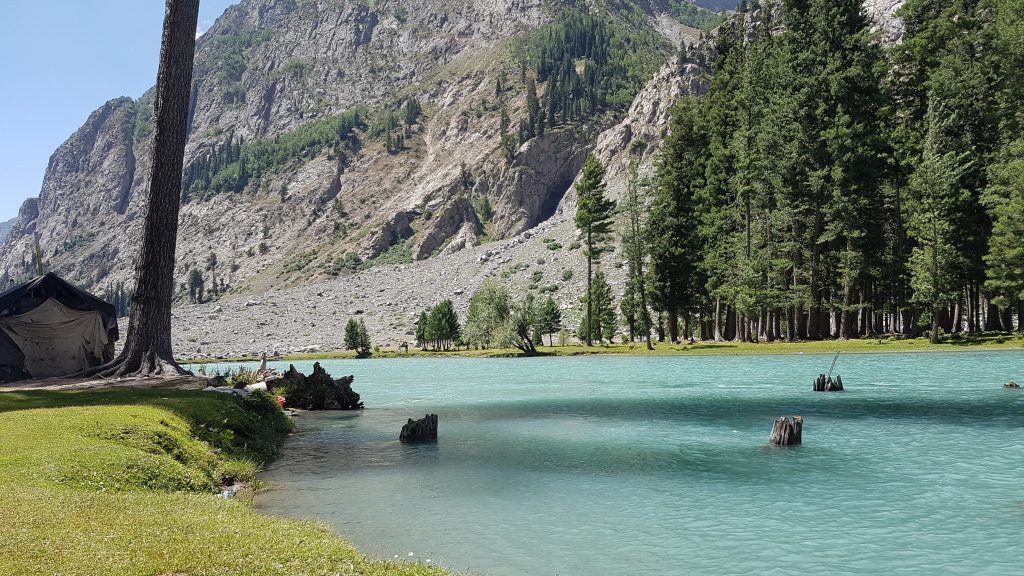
<point x="319" y="391"/>
<point x="422" y="430"/>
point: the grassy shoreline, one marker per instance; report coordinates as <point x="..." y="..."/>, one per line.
<point x="954" y="343"/>
<point x="123" y="481"/>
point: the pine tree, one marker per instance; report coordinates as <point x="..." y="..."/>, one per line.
<point x="936" y="197"/>
<point x="1005" y="258"/>
<point x="675" y="248"/>
<point x="550" y="318"/>
<point x="422" y="330"/>
<point x="357" y="338"/>
<point x="636" y="249"/>
<point x="594" y="219"/>
<point x="600" y="300"/>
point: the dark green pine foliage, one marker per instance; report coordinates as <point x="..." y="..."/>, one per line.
<point x="601" y="302"/>
<point x="636" y="249"/>
<point x="230" y="166"/>
<point x="438" y="327"/>
<point x="590" y="62"/>
<point x="672" y="227"/>
<point x="1004" y="196"/>
<point x="952" y="61"/>
<point x="594" y="213"/>
<point x="550" y="318"/>
<point x="357" y="338"/>
<point x="422" y="330"/>
<point x="838" y="69"/>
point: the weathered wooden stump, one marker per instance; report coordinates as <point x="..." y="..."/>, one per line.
<point x="1011" y="386"/>
<point x="422" y="430"/>
<point x="787" y="432"/>
<point x="826" y="384"/>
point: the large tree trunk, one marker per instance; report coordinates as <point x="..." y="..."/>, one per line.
<point x="814" y="314"/>
<point x="147" y="348"/>
<point x="718" y="320"/>
<point x="590" y="289"/>
<point x="992" y="318"/>
<point x="1006" y="319"/>
<point x="673" y="325"/>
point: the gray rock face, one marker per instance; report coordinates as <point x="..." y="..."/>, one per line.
<point x="883" y="14"/>
<point x="265" y="68"/>
<point x="5" y="227"/>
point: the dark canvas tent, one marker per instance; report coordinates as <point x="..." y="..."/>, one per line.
<point x="50" y="328"/>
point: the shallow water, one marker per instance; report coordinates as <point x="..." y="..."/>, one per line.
<point x="625" y="465"/>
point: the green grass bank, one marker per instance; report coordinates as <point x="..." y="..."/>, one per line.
<point x="951" y="343"/>
<point x="123" y="481"/>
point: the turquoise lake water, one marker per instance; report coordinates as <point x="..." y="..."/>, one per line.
<point x="623" y="465"/>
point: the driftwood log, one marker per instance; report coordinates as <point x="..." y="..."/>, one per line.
<point x="422" y="430"/>
<point x="787" y="432"/>
<point x="318" y="391"/>
<point x="825" y="383"/>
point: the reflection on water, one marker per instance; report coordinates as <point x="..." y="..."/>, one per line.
<point x="619" y="465"/>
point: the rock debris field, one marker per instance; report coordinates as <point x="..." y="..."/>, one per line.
<point x="389" y="298"/>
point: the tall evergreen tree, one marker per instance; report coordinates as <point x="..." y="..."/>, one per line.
<point x="147" y="348"/>
<point x="936" y="198"/>
<point x="594" y="214"/>
<point x="675" y="248"/>
<point x="635" y="248"/>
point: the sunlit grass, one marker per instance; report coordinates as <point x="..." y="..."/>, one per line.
<point x="123" y="482"/>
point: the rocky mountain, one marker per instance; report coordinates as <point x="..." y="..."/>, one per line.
<point x="274" y="75"/>
<point x="5" y="227"/>
<point x="350" y="157"/>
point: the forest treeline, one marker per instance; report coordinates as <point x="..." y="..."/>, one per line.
<point x="828" y="185"/>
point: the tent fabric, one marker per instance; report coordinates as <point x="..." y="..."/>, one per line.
<point x="23" y="298"/>
<point x="12" y="360"/>
<point x="57" y="340"/>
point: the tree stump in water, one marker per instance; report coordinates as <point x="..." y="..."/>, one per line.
<point x="787" y="432"/>
<point x="826" y="384"/>
<point x="422" y="430"/>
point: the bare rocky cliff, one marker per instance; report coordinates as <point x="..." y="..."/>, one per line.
<point x="5" y="227"/>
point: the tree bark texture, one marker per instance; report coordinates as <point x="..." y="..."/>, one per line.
<point x="786" y="432"/>
<point x="148" y="345"/>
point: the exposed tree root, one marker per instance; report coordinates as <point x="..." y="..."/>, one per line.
<point x="146" y="365"/>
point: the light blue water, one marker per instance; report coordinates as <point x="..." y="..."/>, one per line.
<point x="623" y="465"/>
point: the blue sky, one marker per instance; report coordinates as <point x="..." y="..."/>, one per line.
<point x="59" y="61"/>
